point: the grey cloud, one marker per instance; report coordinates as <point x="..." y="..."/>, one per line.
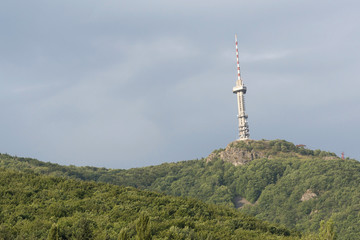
<point x="123" y="84"/>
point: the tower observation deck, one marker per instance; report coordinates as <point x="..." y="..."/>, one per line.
<point x="240" y="91"/>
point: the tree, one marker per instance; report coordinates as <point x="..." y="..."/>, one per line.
<point x="83" y="228"/>
<point x="53" y="233"/>
<point x="124" y="235"/>
<point x="327" y="230"/>
<point x="143" y="227"/>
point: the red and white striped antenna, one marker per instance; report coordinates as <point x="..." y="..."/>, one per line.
<point x="237" y="58"/>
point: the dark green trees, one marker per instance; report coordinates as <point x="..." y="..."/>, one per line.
<point x="33" y="206"/>
<point x="143" y="228"/>
<point x="54" y="232"/>
<point x="327" y="230"/>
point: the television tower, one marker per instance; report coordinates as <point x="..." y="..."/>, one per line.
<point x="240" y="91"/>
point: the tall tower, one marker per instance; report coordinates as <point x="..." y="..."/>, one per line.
<point x="240" y="91"/>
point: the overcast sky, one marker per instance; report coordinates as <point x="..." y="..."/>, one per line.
<point x="122" y="84"/>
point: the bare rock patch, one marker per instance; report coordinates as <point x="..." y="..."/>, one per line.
<point x="308" y="195"/>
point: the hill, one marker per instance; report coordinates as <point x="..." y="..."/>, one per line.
<point x="41" y="207"/>
<point x="273" y="180"/>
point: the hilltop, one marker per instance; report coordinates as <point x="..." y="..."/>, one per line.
<point x="274" y="180"/>
<point x="242" y="152"/>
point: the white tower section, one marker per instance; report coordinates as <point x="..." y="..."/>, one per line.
<point x="240" y="91"/>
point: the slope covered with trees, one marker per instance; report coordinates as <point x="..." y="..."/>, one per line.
<point x="34" y="206"/>
<point x="289" y="185"/>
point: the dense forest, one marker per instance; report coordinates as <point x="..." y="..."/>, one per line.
<point x="289" y="185"/>
<point x="34" y="206"/>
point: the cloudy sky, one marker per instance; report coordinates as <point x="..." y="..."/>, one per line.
<point x="122" y="84"/>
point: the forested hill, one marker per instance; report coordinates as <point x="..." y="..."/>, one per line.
<point x="34" y="206"/>
<point x="239" y="151"/>
<point x="290" y="185"/>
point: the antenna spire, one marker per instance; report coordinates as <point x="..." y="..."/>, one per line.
<point x="237" y="59"/>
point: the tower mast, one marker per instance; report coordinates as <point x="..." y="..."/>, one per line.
<point x="240" y="91"/>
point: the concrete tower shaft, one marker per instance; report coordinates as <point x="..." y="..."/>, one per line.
<point x="240" y="91"/>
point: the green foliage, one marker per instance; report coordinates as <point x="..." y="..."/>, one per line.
<point x="335" y="183"/>
<point x="54" y="232"/>
<point x="34" y="206"/>
<point x="274" y="185"/>
<point x="124" y="235"/>
<point x="84" y="228"/>
<point x="177" y="233"/>
<point x="327" y="230"/>
<point x="280" y="148"/>
<point x="143" y="231"/>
